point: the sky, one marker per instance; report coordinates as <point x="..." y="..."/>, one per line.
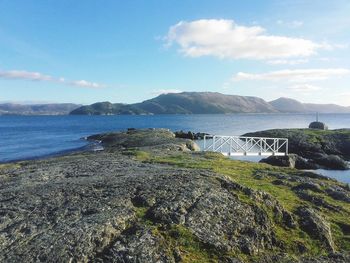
<point x="85" y="51"/>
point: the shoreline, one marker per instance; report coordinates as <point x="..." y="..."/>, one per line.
<point x="178" y="114"/>
<point x="155" y="192"/>
<point x="96" y="145"/>
<point x="90" y="146"/>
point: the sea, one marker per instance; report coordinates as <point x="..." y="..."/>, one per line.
<point x="31" y="137"/>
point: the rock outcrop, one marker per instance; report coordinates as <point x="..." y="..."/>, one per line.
<point x="315" y="226"/>
<point x="291" y="161"/>
<point x="190" y="135"/>
<point x="142" y="199"/>
<point x="327" y="149"/>
<point x="150" y="138"/>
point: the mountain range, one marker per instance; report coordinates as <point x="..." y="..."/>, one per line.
<point x="37" y="109"/>
<point x="182" y="103"/>
<point x="177" y="103"/>
<point x="294" y="106"/>
<point x="207" y="103"/>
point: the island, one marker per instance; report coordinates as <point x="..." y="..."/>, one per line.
<point x="152" y="197"/>
<point x="206" y="103"/>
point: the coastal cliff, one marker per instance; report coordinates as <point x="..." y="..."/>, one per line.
<point x="150" y="197"/>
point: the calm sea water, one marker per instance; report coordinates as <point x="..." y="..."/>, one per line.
<point x="23" y="137"/>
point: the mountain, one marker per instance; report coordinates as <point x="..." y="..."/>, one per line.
<point x="182" y="103"/>
<point x="176" y="103"/>
<point x="294" y="106"/>
<point x="107" y="108"/>
<point x="37" y="109"/>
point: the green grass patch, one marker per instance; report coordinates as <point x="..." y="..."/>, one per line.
<point x="238" y="171"/>
<point x="9" y="166"/>
<point x="139" y="155"/>
<point x="191" y="249"/>
<point x="244" y="173"/>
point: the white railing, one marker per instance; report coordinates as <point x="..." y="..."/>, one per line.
<point x="240" y="145"/>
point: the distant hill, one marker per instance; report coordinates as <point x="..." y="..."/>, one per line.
<point x="37" y="109"/>
<point x="177" y="103"/>
<point x="107" y="108"/>
<point x="182" y="103"/>
<point x="294" y="106"/>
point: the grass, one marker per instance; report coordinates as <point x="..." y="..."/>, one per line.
<point x="9" y="166"/>
<point x="178" y="237"/>
<point x="244" y="173"/>
<point x="137" y="154"/>
<point x="191" y="249"/>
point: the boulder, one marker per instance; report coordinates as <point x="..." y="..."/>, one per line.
<point x="338" y="193"/>
<point x="308" y="186"/>
<point x="333" y="162"/>
<point x="190" y="135"/>
<point x="191" y="145"/>
<point x="283" y="161"/>
<point x="290" y="160"/>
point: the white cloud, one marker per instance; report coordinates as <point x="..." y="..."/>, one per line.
<point x="287" y="61"/>
<point x="225" y="39"/>
<point x="343" y="98"/>
<point x="36" y="76"/>
<point x="21" y="74"/>
<point x="292" y="24"/>
<point x="165" y="91"/>
<point x="86" y="84"/>
<point x="296" y="75"/>
<point x="304" y="88"/>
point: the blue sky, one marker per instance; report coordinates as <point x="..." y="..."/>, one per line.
<point x="85" y="51"/>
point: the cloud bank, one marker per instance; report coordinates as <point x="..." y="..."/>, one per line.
<point x="225" y="39"/>
<point x="287" y="61"/>
<point x="295" y="75"/>
<point x="36" y="76"/>
<point x="165" y="91"/>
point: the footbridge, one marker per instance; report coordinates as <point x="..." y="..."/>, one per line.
<point x="241" y="145"/>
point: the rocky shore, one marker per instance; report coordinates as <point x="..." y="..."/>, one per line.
<point x="312" y="148"/>
<point x="151" y="197"/>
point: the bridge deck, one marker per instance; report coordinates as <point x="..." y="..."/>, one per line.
<point x="250" y="146"/>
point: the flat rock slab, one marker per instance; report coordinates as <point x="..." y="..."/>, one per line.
<point x="79" y="207"/>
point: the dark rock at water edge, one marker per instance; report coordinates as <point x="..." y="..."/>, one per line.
<point x="333" y="162"/>
<point x="190" y="135"/>
<point x="291" y="161"/>
<point x="328" y="149"/>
